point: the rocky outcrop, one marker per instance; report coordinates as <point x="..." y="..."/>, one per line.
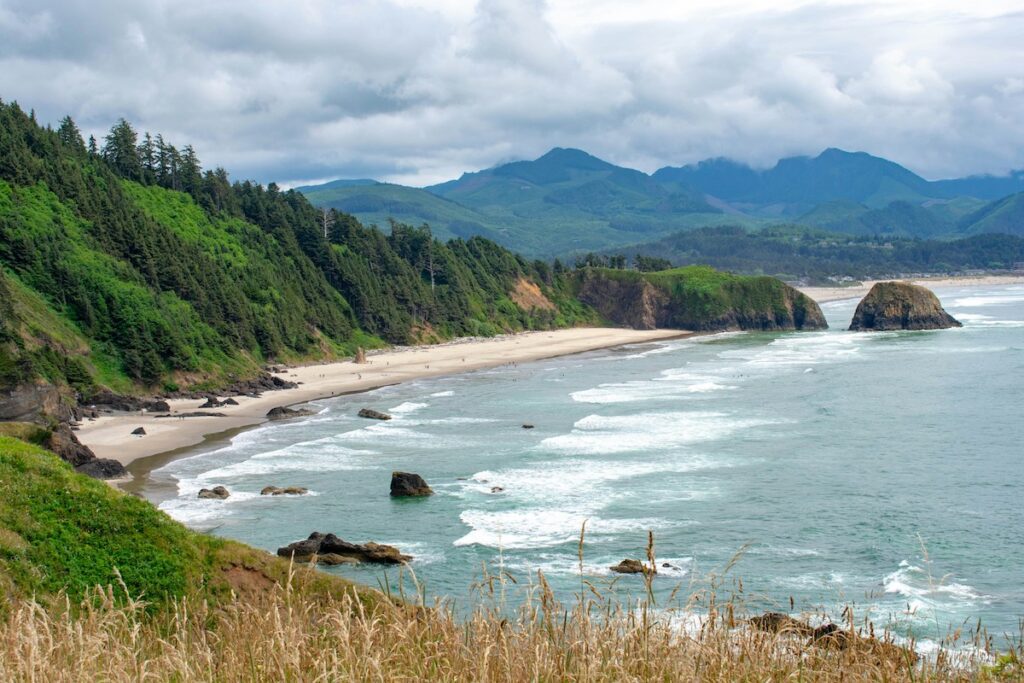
<point x="697" y="299"/>
<point x="108" y="400"/>
<point x="139" y="431"/>
<point x="372" y="414"/>
<point x="216" y="493"/>
<point x="407" y="484"/>
<point x="287" y="413"/>
<point x="38" y="403"/>
<point x="102" y="468"/>
<point x="283" y="491"/>
<point x="832" y="636"/>
<point x="901" y="306"/>
<point x="629" y="566"/>
<point x="324" y="545"/>
<point x="64" y="443"/>
<point x="633" y="302"/>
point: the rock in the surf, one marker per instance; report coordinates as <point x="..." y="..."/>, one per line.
<point x="282" y="413"/>
<point x="372" y="414"/>
<point x="328" y="545"/>
<point x="629" y="566"/>
<point x="527" y="426"/>
<point x="139" y="431"/>
<point x="216" y="493"/>
<point x="283" y="491"/>
<point x="901" y="306"/>
<point x="408" y="484"/>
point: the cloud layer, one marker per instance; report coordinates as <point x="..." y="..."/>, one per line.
<point x="416" y="91"/>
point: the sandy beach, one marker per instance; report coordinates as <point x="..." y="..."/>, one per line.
<point x="823" y="294"/>
<point x="110" y="436"/>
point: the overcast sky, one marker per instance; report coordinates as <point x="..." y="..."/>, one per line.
<point x="416" y="92"/>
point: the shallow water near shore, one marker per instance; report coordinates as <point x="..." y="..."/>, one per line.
<point x="880" y="470"/>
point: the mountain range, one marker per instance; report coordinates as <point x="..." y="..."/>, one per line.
<point x="568" y="201"/>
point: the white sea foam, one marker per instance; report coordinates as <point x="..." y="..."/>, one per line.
<point x="407" y="407"/>
<point x="442" y="394"/>
<point x="809" y="348"/>
<point x="597" y="434"/>
<point x="539" y="528"/>
<point x="923" y="592"/>
<point x="1008" y="296"/>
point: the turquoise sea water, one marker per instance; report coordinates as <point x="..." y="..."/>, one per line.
<point x="880" y="470"/>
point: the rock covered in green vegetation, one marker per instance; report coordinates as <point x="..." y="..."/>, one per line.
<point x="901" y="306"/>
<point x="697" y="298"/>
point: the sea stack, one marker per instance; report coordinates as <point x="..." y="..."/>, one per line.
<point x="901" y="306"/>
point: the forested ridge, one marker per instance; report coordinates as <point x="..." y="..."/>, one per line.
<point x="162" y="272"/>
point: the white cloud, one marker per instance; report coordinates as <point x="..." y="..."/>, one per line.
<point x="418" y="91"/>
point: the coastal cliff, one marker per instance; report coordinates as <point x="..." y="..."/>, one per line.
<point x="697" y="298"/>
<point x="901" y="306"/>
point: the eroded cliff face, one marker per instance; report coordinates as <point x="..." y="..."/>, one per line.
<point x="901" y="306"/>
<point x="633" y="303"/>
<point x="669" y="301"/>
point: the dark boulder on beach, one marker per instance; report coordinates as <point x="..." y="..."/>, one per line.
<point x="407" y="484"/>
<point x="629" y="566"/>
<point x="139" y="431"/>
<point x="372" y="414"/>
<point x="901" y="306"/>
<point x="216" y="493"/>
<point x="340" y="551"/>
<point x="211" y="403"/>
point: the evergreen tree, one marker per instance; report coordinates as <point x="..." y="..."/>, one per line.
<point x="121" y="151"/>
<point x="70" y="136"/>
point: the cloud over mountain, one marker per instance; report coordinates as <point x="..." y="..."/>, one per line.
<point x="417" y="91"/>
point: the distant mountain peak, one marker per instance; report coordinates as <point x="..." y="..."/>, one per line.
<point x="570" y="157"/>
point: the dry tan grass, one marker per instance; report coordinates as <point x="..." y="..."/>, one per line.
<point x="285" y="634"/>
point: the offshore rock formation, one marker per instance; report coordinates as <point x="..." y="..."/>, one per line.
<point x="699" y="299"/>
<point x="901" y="306"/>
<point x="328" y="545"/>
<point x="408" y="484"/>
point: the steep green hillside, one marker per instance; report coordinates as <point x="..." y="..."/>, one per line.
<point x="564" y="202"/>
<point x="61" y="531"/>
<point x="897" y="219"/>
<point x="380" y="203"/>
<point x="164" y="273"/>
<point x="1004" y="215"/>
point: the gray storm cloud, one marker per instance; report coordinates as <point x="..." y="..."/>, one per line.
<point x="319" y="89"/>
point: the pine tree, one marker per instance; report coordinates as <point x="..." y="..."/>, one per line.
<point x="70" y="136"/>
<point x="121" y="152"/>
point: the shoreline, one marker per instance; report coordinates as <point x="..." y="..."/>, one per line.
<point x="166" y="438"/>
<point x="825" y="294"/>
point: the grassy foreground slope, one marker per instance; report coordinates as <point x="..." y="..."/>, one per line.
<point x="149" y="600"/>
<point x="64" y="532"/>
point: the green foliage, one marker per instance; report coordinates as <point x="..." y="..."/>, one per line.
<point x="163" y="271"/>
<point x="60" y="530"/>
<point x="566" y="201"/>
<point x="793" y="252"/>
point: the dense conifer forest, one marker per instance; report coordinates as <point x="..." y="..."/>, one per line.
<point x="160" y="271"/>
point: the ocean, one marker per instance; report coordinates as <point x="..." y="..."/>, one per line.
<point x="882" y="471"/>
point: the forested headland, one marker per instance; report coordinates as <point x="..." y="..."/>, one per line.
<point x="125" y="263"/>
